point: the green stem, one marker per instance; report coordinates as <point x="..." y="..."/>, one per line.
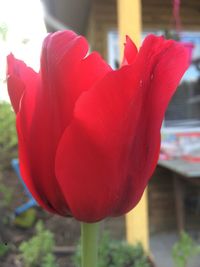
<point x="89" y="244"/>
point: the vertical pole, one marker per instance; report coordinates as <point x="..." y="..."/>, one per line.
<point x="137" y="223"/>
<point x="130" y="23"/>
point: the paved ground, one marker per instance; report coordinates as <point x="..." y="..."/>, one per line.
<point x="161" y="246"/>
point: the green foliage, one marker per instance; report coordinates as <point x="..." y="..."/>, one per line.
<point x="114" y="253"/>
<point x="49" y="261"/>
<point x="38" y="251"/>
<point x="8" y="136"/>
<point x="6" y="194"/>
<point x="184" y="249"/>
<point x="4" y="248"/>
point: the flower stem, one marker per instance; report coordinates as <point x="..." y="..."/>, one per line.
<point x="89" y="244"/>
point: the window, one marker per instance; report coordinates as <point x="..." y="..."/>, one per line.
<point x="113" y="49"/>
<point x="184" y="109"/>
<point x="183" y="113"/>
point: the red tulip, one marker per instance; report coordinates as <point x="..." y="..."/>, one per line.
<point x="89" y="136"/>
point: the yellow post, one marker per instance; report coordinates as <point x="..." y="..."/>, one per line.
<point x="129" y="22"/>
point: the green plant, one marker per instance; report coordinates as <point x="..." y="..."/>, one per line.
<point x="8" y="137"/>
<point x="48" y="261"/>
<point x="4" y="248"/>
<point x="114" y="253"/>
<point x="184" y="249"/>
<point x="6" y="195"/>
<point x="38" y="251"/>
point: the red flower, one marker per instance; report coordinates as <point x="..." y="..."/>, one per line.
<point x="89" y="137"/>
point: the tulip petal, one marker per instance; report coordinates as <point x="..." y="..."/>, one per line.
<point x="65" y="73"/>
<point x="22" y="82"/>
<point x="108" y="153"/>
<point x="130" y="52"/>
<point x="19" y="76"/>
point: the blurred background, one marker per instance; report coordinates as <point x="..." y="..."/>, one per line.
<point x="169" y="228"/>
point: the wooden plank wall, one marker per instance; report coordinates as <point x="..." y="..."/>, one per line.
<point x="103" y="18"/>
<point x="162" y="216"/>
<point x="156" y="15"/>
